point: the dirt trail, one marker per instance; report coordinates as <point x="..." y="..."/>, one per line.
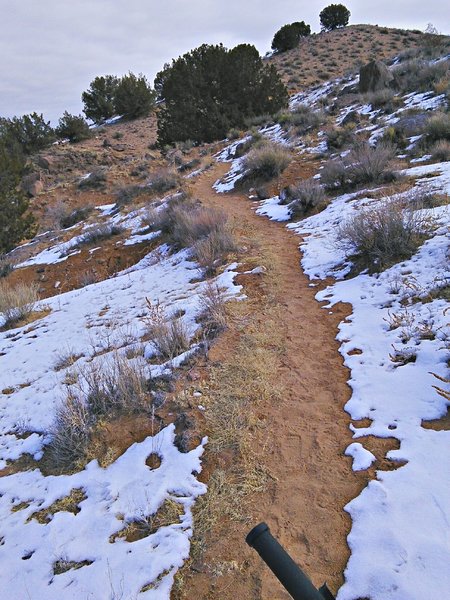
<point x="307" y="432"/>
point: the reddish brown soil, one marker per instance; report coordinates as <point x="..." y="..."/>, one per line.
<point x="304" y="436"/>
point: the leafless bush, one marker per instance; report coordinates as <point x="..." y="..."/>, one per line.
<point x="307" y="196"/>
<point x="266" y="161"/>
<point x="169" y="335"/>
<point x="18" y="301"/>
<point x="214" y="315"/>
<point x="384" y="235"/>
<point x="364" y="164"/>
<point x="128" y="193"/>
<point x="70" y="433"/>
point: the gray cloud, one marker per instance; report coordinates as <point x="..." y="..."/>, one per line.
<point x="52" y="49"/>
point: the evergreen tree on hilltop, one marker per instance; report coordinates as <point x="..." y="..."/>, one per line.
<point x="334" y="16"/>
<point x="289" y="36"/>
<point x="133" y="97"/>
<point x="211" y="89"/>
<point x="98" y="100"/>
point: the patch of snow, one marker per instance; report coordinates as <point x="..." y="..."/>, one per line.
<point x="274" y="210"/>
<point x="362" y="458"/>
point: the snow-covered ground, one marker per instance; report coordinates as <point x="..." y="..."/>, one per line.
<point x="92" y="325"/>
<point x="400" y="536"/>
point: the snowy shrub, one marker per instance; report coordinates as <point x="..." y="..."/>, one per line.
<point x="420" y="75"/>
<point x="266" y="161"/>
<point x="93" y="181"/>
<point x="363" y="165"/>
<point x="75" y="216"/>
<point x="164" y="180"/>
<point x="307" y="196"/>
<point x="168" y="334"/>
<point x="384" y="235"/>
<point x="97" y="233"/>
<point x="18" y="301"/>
<point x="301" y="117"/>
<point x="108" y="389"/>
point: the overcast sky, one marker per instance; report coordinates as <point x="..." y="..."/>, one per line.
<point x="52" y="49"/>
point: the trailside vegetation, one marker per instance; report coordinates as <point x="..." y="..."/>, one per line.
<point x="211" y="89"/>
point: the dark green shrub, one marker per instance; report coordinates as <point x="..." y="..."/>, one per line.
<point x="133" y="97"/>
<point x="74" y="128"/>
<point x="93" y="181"/>
<point x="211" y="89"/>
<point x="98" y="100"/>
<point x="16" y="222"/>
<point x="289" y="36"/>
<point x="334" y="16"/>
<point x="74" y="217"/>
<point x="339" y="137"/>
<point x="29" y="133"/>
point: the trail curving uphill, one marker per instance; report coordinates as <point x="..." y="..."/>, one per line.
<point x="306" y="432"/>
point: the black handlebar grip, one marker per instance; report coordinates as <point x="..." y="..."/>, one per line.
<point x="281" y="564"/>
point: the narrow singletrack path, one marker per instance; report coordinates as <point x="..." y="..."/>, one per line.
<point x="307" y="431"/>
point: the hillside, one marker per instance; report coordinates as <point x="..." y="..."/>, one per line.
<point x="181" y="371"/>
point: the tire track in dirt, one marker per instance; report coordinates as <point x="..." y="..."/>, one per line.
<point x="307" y="431"/>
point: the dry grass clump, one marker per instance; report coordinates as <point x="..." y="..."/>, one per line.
<point x="384" y="235"/>
<point x="440" y="151"/>
<point x="363" y="165"/>
<point x="169" y="513"/>
<point x="17" y="301"/>
<point x="111" y="388"/>
<point x="189" y="224"/>
<point x="308" y="196"/>
<point x="266" y="161"/>
<point x="169" y="335"/>
<point x="380" y="99"/>
<point x="438" y="128"/>
<point x="164" y="180"/>
<point x="214" y="316"/>
<point x="67" y="504"/>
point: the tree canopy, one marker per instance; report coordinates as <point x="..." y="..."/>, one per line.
<point x="211" y="89"/>
<point x="98" y="100"/>
<point x="288" y="36"/>
<point x="334" y="16"/>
